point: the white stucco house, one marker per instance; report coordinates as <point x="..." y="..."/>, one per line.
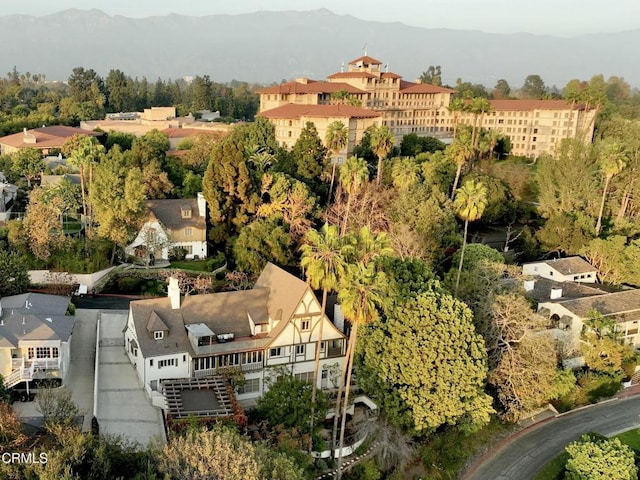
<point x="172" y="223"/>
<point x="275" y="324"/>
<point x="570" y="269"/>
<point x="34" y="337"/>
<point x="8" y="193"/>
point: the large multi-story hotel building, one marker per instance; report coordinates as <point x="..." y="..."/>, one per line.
<point x="533" y="126"/>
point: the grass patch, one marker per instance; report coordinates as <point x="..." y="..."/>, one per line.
<point x="554" y="470"/>
<point x="193" y="265"/>
<point x="445" y="454"/>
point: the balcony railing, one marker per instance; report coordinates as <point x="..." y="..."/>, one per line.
<point x="334" y="352"/>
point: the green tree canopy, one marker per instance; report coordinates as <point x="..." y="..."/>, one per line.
<point x="596" y="458"/>
<point x="28" y="163"/>
<point x="309" y="154"/>
<point x="262" y="241"/>
<point x="14" y="278"/>
<point x="426" y="364"/>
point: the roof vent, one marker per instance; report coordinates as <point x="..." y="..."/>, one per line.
<point x="225" y="337"/>
<point x="49" y="319"/>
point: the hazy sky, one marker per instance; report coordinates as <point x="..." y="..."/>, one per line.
<point x="557" y="17"/>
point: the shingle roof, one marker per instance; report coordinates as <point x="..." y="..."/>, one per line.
<point x="511" y="105"/>
<point x="291" y="110"/>
<point x="542" y="290"/>
<point x="34" y="316"/>
<point x="312" y="86"/>
<point x="46" y="137"/>
<point x="47" y="180"/>
<point x="168" y="212"/>
<point x="571" y="265"/>
<point x="224" y="312"/>
<point x="608" y="304"/>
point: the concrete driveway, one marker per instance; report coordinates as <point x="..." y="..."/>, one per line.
<point x="123" y="408"/>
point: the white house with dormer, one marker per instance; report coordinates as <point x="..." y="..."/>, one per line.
<point x="35" y="335"/>
<point x="570" y="269"/>
<point x="172" y="223"/>
<point x="275" y="324"/>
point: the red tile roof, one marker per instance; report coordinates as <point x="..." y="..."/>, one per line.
<point x="366" y="59"/>
<point x="410" y="87"/>
<point x="312" y="86"/>
<point x="533" y="105"/>
<point x="183" y="132"/>
<point x="46" y="137"/>
<point x="352" y="75"/>
<point x="296" y="111"/>
<point x="390" y="75"/>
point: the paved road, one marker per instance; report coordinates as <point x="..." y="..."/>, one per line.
<point x="525" y="454"/>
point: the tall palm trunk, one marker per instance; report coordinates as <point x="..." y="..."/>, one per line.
<point x="625" y="203"/>
<point x="333" y="177"/>
<point x="316" y="365"/>
<point x="602" y="202"/>
<point x="84" y="200"/>
<point x="456" y="180"/>
<point x="345" y="221"/>
<point x="352" y="341"/>
<point x="464" y="245"/>
<point x="379" y="176"/>
<point x="337" y="410"/>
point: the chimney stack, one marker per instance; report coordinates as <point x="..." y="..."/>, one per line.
<point x="556" y="293"/>
<point x="174" y="293"/>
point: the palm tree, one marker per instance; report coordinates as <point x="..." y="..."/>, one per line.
<point x="382" y="141"/>
<point x="456" y="106"/>
<point x="478" y="107"/>
<point x="613" y="161"/>
<point x="361" y="249"/>
<point x="460" y="151"/>
<point x="361" y="292"/>
<point x="324" y="263"/>
<point x="84" y="156"/>
<point x="335" y="139"/>
<point x="469" y="204"/>
<point x="353" y="174"/>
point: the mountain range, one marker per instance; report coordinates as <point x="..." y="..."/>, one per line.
<point x="266" y="47"/>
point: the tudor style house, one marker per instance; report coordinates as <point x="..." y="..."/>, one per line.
<point x="34" y="337"/>
<point x="172" y="223"/>
<point x="275" y="324"/>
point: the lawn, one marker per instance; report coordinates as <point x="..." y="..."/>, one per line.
<point x="555" y="468"/>
<point x="194" y="265"/>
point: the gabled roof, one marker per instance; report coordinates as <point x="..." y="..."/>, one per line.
<point x="613" y="304"/>
<point x="569" y="265"/>
<point x="156" y="324"/>
<point x="45" y="137"/>
<point x="311" y="86"/>
<point x="511" y="105"/>
<point x="34" y="316"/>
<point x="168" y="212"/>
<point x="542" y="290"/>
<point x="291" y="110"/>
<point x="390" y="75"/>
<point x="366" y="59"/>
<point x="411" y="87"/>
<point x="276" y="294"/>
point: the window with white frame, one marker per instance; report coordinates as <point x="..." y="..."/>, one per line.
<point x="251" y="385"/>
<point x="300" y="350"/>
<point x="188" y="231"/>
<point x="275" y="352"/>
<point x="304" y="377"/>
<point x="168" y="362"/>
<point x="305" y="325"/>
<point x="158" y="334"/>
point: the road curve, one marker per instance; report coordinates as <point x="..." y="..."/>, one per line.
<point x="525" y="453"/>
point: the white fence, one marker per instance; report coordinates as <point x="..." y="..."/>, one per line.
<point x="88" y="279"/>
